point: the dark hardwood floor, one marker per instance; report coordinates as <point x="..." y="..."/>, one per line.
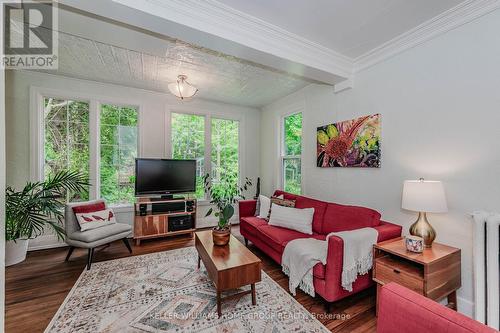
<point x="36" y="288"/>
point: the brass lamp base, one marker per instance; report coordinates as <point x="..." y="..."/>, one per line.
<point x="422" y="228"/>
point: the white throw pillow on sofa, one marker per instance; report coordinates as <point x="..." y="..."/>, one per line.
<point x="292" y="218"/>
<point x="265" y="205"/>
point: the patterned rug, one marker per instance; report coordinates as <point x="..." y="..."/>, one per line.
<point x="164" y="292"/>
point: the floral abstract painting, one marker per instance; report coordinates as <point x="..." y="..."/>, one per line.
<point x="350" y="143"/>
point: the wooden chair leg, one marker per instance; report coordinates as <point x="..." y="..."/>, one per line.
<point x="127" y="244"/>
<point x="89" y="258"/>
<point x="70" y="251"/>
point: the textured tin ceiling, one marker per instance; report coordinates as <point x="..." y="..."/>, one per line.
<point x="218" y="76"/>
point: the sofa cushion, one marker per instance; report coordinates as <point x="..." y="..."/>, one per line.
<point x="341" y="218"/>
<point x="93" y="235"/>
<point x="319" y="211"/>
<point x="277" y="237"/>
<point x="251" y="223"/>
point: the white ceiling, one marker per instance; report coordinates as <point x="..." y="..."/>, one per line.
<point x="107" y="51"/>
<point x="350" y="27"/>
<point x="101" y="51"/>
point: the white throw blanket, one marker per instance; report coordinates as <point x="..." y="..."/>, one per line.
<point x="298" y="260"/>
<point x="300" y="256"/>
<point x="358" y="255"/>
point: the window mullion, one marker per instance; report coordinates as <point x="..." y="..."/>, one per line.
<point x="94" y="150"/>
<point x="67" y="146"/>
<point x="208" y="148"/>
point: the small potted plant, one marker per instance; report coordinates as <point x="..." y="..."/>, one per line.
<point x="224" y="193"/>
<point x="38" y="205"/>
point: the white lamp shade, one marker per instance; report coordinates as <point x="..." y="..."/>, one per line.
<point x="424" y="196"/>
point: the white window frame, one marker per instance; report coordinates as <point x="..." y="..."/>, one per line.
<point x="37" y="131"/>
<point x="208" y="139"/>
<point x="283" y="157"/>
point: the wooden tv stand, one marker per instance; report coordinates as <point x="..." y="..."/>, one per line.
<point x="154" y="221"/>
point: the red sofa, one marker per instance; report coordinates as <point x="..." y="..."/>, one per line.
<point x="403" y="310"/>
<point x="328" y="217"/>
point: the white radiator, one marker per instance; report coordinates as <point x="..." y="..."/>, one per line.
<point x="486" y="268"/>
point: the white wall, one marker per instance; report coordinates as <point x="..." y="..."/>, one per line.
<point x="2" y="195"/>
<point x="440" y="107"/>
<point x="154" y="128"/>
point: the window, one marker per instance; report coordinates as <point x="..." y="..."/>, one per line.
<point x="66" y="144"/>
<point x="98" y="140"/>
<point x="118" y="143"/>
<point x="189" y="133"/>
<point x="224" y="154"/>
<point x="291" y="153"/>
<point x="188" y="142"/>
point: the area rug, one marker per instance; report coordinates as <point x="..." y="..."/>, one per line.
<point x="165" y="292"/>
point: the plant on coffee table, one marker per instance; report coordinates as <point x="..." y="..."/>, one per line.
<point x="224" y="193"/>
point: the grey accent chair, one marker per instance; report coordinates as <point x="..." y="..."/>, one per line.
<point x="90" y="239"/>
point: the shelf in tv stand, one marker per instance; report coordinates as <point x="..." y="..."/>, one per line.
<point x="170" y="213"/>
<point x="156" y="225"/>
<point x="148" y="201"/>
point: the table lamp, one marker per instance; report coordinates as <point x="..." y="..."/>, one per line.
<point x="424" y="196"/>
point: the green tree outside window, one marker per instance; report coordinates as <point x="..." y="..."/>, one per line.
<point x="292" y="175"/>
<point x="224" y="153"/>
<point x="188" y="142"/>
<point x="66" y="143"/>
<point x="118" y="135"/>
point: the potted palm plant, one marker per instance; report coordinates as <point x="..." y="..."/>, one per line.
<point x="38" y="205"/>
<point x="224" y="194"/>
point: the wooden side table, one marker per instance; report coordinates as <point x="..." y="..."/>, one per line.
<point x="434" y="273"/>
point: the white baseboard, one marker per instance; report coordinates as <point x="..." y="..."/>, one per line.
<point x="43" y="242"/>
<point x="465" y="307"/>
<point x="46" y="246"/>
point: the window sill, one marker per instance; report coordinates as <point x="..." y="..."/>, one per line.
<point x="122" y="208"/>
<point x="203" y="202"/>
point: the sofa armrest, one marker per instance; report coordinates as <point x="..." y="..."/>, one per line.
<point x="388" y="230"/>
<point x="403" y="310"/>
<point x="247" y="207"/>
<point x="334" y="261"/>
<point x="335" y="254"/>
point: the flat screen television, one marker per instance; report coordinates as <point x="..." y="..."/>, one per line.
<point x="164" y="177"/>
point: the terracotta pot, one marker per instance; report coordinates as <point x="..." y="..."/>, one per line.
<point x="221" y="237"/>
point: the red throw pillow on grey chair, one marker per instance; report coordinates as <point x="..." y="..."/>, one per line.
<point x="89" y="208"/>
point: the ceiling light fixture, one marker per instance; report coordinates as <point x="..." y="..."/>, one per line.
<point x="182" y="89"/>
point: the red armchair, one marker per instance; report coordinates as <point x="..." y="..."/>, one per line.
<point x="328" y="217"/>
<point x="403" y="310"/>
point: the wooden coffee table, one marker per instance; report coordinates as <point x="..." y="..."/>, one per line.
<point x="229" y="267"/>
